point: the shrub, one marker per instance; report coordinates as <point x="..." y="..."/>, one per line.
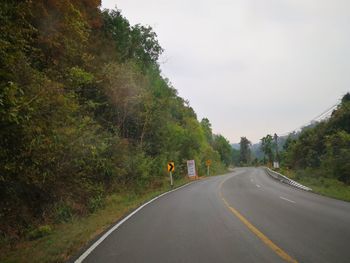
<point x="39" y="232"/>
<point x="95" y="203"/>
<point x="62" y="212"/>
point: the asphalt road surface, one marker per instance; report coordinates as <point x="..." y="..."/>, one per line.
<point x="243" y="216"/>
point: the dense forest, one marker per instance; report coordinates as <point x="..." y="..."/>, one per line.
<point x="325" y="147"/>
<point x="85" y="111"/>
<point x="322" y="149"/>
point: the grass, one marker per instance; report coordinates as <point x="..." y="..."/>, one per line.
<point x="319" y="184"/>
<point x="66" y="239"/>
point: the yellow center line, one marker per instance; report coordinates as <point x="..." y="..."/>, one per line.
<point x="279" y="251"/>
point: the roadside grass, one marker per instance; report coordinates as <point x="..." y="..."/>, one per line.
<point x="65" y="239"/>
<point x="319" y="184"/>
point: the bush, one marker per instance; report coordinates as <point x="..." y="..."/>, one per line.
<point x="39" y="232"/>
<point x="85" y="111"/>
<point x="95" y="203"/>
<point x="62" y="212"/>
<point x="336" y="160"/>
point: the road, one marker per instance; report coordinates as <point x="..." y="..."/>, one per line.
<point x="243" y="216"/>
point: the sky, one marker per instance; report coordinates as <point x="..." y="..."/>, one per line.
<point x="252" y="67"/>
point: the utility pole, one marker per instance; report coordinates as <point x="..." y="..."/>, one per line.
<point x="171" y="180"/>
<point x="276" y="163"/>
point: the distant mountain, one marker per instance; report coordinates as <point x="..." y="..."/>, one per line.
<point x="235" y="146"/>
<point x="256" y="151"/>
<point x="256" y="147"/>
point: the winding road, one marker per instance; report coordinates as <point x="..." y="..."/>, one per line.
<point x="243" y="216"/>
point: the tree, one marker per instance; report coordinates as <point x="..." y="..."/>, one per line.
<point x="206" y="126"/>
<point x="337" y="156"/>
<point x="235" y="157"/>
<point x="267" y="147"/>
<point x="138" y="43"/>
<point x="323" y="146"/>
<point x="84" y="109"/>
<point x="223" y="147"/>
<point x="346" y="98"/>
<point x="245" y="153"/>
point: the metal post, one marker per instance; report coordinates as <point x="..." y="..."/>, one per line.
<point x="171" y="180"/>
<point x="207" y="170"/>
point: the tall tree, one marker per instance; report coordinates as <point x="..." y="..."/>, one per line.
<point x="267" y="147"/>
<point x="245" y="153"/>
<point x="223" y="147"/>
<point x="206" y="126"/>
<point x="84" y="109"/>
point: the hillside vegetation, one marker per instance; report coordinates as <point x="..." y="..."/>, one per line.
<point x="324" y="147"/>
<point x="319" y="155"/>
<point x="85" y="112"/>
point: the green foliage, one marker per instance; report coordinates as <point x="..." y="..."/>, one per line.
<point x="223" y="147"/>
<point x="39" y="232"/>
<point x="235" y="157"/>
<point x="324" y="146"/>
<point x="337" y="156"/>
<point x="206" y="126"/>
<point x="137" y="43"/>
<point x="62" y="212"/>
<point x="267" y="147"/>
<point x="245" y="153"/>
<point x="85" y="111"/>
<point x="79" y="77"/>
<point x="95" y="203"/>
<point x="316" y="180"/>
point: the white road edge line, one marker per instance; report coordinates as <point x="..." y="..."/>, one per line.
<point x="258" y="185"/>
<point x="287" y="199"/>
<point x="100" y="240"/>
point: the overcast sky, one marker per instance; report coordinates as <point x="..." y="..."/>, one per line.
<point x="252" y="67"/>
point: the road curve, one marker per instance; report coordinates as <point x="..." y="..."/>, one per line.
<point x="243" y="216"/>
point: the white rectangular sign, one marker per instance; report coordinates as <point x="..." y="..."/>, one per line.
<point x="276" y="165"/>
<point x="191" y="168"/>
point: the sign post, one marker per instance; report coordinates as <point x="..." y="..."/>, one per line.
<point x="191" y="168"/>
<point x="208" y="163"/>
<point x="171" y="168"/>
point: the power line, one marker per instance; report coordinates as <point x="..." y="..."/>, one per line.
<point x="325" y="112"/>
<point x="319" y="117"/>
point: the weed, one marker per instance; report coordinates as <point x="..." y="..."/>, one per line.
<point x="95" y="203"/>
<point x="63" y="212"/>
<point x="39" y="232"/>
<point x="322" y="185"/>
